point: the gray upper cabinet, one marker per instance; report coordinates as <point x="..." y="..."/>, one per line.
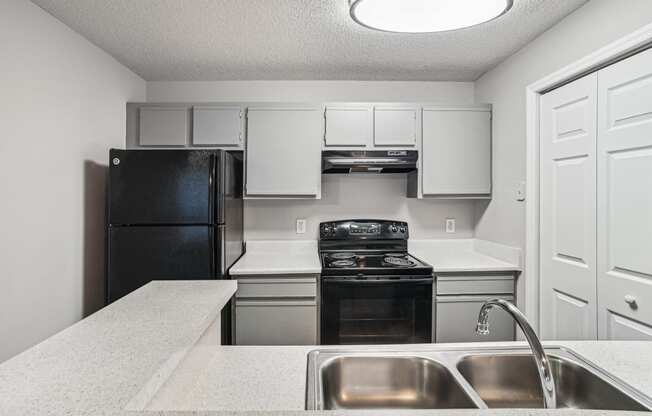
<point x="348" y="126"/>
<point x="395" y="126"/>
<point x="217" y="126"/>
<point x="284" y="152"/>
<point x="163" y="126"/>
<point x="456" y="152"/>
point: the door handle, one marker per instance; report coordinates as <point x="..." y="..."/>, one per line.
<point x="631" y="301"/>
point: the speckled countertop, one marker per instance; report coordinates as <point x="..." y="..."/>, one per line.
<point x="445" y="255"/>
<point x="97" y="365"/>
<point x="278" y="257"/>
<point x="103" y="363"/>
<point x="466" y="255"/>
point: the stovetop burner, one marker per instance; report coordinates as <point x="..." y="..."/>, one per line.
<point x="342" y="256"/>
<point x="342" y="263"/>
<point x="397" y="261"/>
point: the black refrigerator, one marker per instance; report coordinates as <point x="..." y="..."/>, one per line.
<point x="172" y="215"/>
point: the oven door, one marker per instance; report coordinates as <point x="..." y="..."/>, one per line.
<point x="376" y="310"/>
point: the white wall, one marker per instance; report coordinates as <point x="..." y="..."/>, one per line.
<point x="591" y="27"/>
<point x="63" y="106"/>
<point x="343" y="196"/>
<point x="357" y="196"/>
<point x="307" y="91"/>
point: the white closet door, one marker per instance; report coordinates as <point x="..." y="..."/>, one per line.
<point x="625" y="199"/>
<point x="568" y="211"/>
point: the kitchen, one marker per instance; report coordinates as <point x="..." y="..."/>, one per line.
<point x="371" y="219"/>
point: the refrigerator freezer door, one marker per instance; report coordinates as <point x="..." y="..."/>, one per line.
<point x="163" y="186"/>
<point x="138" y="255"/>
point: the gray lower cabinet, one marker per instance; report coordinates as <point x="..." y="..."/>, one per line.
<point x="456" y="317"/>
<point x="276" y="322"/>
<point x="458" y="300"/>
<point x="276" y="310"/>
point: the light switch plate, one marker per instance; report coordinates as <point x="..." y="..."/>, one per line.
<point x="450" y="225"/>
<point x="520" y="191"/>
<point x="301" y="226"/>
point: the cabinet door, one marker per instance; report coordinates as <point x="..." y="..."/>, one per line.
<point x="395" y="126"/>
<point x="276" y="322"/>
<point x="457" y="316"/>
<point x="284" y="152"/>
<point x="163" y="126"/>
<point x="625" y="199"/>
<point x="568" y="211"/>
<point x="456" y="152"/>
<point x="217" y="126"/>
<point x="348" y="126"/>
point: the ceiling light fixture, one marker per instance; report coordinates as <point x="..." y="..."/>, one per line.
<point x="423" y="16"/>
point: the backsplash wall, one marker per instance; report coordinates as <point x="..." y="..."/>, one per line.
<point x="358" y="196"/>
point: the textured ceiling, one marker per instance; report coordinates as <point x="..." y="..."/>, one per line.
<point x="292" y="39"/>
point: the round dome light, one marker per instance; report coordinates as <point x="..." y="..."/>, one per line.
<point x="423" y="16"/>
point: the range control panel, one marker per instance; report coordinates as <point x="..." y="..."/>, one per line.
<point x="363" y="230"/>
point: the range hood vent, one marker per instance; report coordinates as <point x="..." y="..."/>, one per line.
<point x="372" y="161"/>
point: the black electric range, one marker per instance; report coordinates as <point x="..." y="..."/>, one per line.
<point x="372" y="290"/>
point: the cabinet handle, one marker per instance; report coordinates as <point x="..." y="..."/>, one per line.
<point x="631" y="301"/>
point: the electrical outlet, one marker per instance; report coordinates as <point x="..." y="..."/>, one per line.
<point x="450" y="225"/>
<point x="301" y="226"/>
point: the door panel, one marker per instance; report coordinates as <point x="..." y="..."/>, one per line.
<point x="217" y="126"/>
<point x="395" y="126"/>
<point x="161" y="186"/>
<point x="457" y="316"/>
<point x="573" y="318"/>
<point x="348" y="126"/>
<point x="284" y="151"/>
<point x="568" y="211"/>
<point x="622" y="328"/>
<point x="625" y="198"/>
<point x="276" y="322"/>
<point x="163" y="126"/>
<point x="138" y="255"/>
<point x="456" y="151"/>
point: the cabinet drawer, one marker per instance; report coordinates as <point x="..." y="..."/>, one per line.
<point x="475" y="285"/>
<point x="457" y="316"/>
<point x="277" y="288"/>
<point x="275" y="322"/>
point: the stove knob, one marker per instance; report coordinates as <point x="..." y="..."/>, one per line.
<point x="393" y="228"/>
<point x="402" y="229"/>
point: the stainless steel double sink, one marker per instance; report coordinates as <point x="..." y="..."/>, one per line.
<point x="448" y="379"/>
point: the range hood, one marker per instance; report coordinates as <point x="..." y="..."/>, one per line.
<point x="371" y="161"/>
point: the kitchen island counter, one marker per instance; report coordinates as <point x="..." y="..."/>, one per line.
<point x="149" y="351"/>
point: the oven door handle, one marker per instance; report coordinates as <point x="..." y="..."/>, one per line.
<point x="377" y="281"/>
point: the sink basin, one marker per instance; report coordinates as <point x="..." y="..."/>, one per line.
<point x="385" y="382"/>
<point x="447" y="378"/>
<point x="504" y="381"/>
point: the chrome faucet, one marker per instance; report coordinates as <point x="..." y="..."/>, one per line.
<point x="540" y="357"/>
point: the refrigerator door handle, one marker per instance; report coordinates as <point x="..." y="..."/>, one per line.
<point x="219" y="251"/>
<point x="212" y="177"/>
<point x="211" y="242"/>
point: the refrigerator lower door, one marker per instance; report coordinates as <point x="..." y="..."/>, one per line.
<point x="138" y="255"/>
